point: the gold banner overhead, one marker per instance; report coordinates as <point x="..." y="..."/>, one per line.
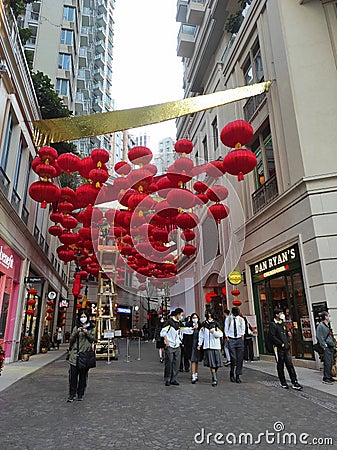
<point x="72" y="128"/>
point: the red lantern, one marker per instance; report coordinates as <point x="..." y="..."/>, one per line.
<point x="32" y="291"/>
<point x="48" y="154"/>
<point x="44" y="192"/>
<point x="31" y="302"/>
<point x="183" y="165"/>
<point x="187" y="220"/>
<point x="235" y="292"/>
<point x="236" y="133"/>
<point x="56" y="217"/>
<point x="65" y="207"/>
<point x="209" y="296"/>
<point x="30" y="312"/>
<point x="55" y="230"/>
<point x="67" y="195"/>
<point x="237" y="302"/>
<point x="83" y="274"/>
<point x="200" y="187"/>
<point x="187" y="235"/>
<point x="98" y="176"/>
<point x="45" y="171"/>
<point x="202" y="199"/>
<point x="239" y="162"/>
<point x="188" y="250"/>
<point x="140" y="155"/>
<point x="218" y="212"/>
<point x="68" y="162"/>
<point x="164" y="185"/>
<point x="181" y="198"/>
<point x="69" y="222"/>
<point x="177" y="178"/>
<point x="86" y="194"/>
<point x="85" y="165"/>
<point x="184" y="146"/>
<point x="65" y="254"/>
<point x="122" y="168"/>
<point x="50" y="310"/>
<point x="100" y="156"/>
<point x="49" y="318"/>
<point x="160" y="235"/>
<point x="215" y="169"/>
<point x="217" y="193"/>
<point x="68" y="238"/>
<point x="224" y="291"/>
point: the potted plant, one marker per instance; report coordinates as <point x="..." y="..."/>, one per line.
<point x="2" y="358"/>
<point x="44" y="343"/>
<point x="27" y="347"/>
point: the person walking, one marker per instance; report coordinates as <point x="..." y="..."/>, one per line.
<point x="280" y="340"/>
<point x="209" y="338"/>
<point x="160" y="344"/>
<point x="59" y="337"/>
<point x="248" y="341"/>
<point x="81" y="340"/>
<point x="235" y="334"/>
<point x="326" y="341"/>
<point x="225" y="341"/>
<point x="194" y="355"/>
<point x="186" y="347"/>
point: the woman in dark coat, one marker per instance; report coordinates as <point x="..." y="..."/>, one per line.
<point x="160" y="344"/>
<point x="81" y="340"/>
<point x="195" y="355"/>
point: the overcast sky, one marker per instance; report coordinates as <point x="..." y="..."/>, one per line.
<point x="146" y="68"/>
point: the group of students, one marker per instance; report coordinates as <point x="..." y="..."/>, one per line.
<point x="206" y="344"/>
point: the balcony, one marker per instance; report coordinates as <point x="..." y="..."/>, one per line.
<point x="99" y="61"/>
<point x="101" y="8"/>
<point x="16" y="200"/>
<point x="98" y="89"/>
<point x="252" y="105"/>
<point x="101" y="20"/>
<point x="100" y="46"/>
<point x="181" y="11"/>
<point x="186" y="40"/>
<point x="195" y="12"/>
<point x="4" y="182"/>
<point x="97" y="105"/>
<point x="101" y="34"/>
<point x="265" y="194"/>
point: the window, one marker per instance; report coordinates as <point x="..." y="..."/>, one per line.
<point x="64" y="61"/>
<point x="205" y="149"/>
<point x="69" y="13"/>
<point x="7" y="142"/>
<point x="67" y="37"/>
<point x="18" y="165"/>
<point x="215" y="133"/>
<point x="263" y="149"/>
<point x="62" y="87"/>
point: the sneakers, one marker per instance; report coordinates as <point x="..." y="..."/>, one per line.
<point x="79" y="398"/>
<point x="227" y="363"/>
<point x="284" y="386"/>
<point x="70" y="399"/>
<point x="327" y="381"/>
<point x="194" y="378"/>
<point x="297" y="386"/>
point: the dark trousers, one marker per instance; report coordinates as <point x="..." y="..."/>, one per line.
<point x="236" y="350"/>
<point x="328" y="362"/>
<point x="172" y="362"/>
<point x="77" y="381"/>
<point x="283" y="358"/>
<point x="184" y="361"/>
<point x="249" y="352"/>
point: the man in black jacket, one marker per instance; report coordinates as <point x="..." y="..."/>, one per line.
<point x="281" y="342"/>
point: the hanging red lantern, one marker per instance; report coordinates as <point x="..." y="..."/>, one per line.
<point x="36" y="161"/>
<point x="49" y="318"/>
<point x="239" y="162"/>
<point x="224" y="291"/>
<point x="85" y="233"/>
<point x="56" y="217"/>
<point x="164" y="185"/>
<point x="68" y="238"/>
<point x="188" y="250"/>
<point x="99" y="156"/>
<point x="45" y="171"/>
<point x="65" y="254"/>
<point x="237" y="302"/>
<point x="160" y="235"/>
<point x="98" y="176"/>
<point x="181" y="198"/>
<point x="187" y="235"/>
<point x="235" y="292"/>
<point x="140" y="155"/>
<point x="85" y="216"/>
<point x="215" y="169"/>
<point x="86" y="194"/>
<point x="218" y="212"/>
<point x="32" y="291"/>
<point x="178" y="178"/>
<point x="67" y="195"/>
<point x="30" y="312"/>
<point x="68" y="162"/>
<point x="50" y="310"/>
<point x="200" y="187"/>
<point x="65" y="207"/>
<point x="55" y="230"/>
<point x="183" y="164"/>
<point x="85" y="165"/>
<point x="201" y="199"/>
<point x="217" y="193"/>
<point x="184" y="146"/>
<point x="187" y="220"/>
<point x="236" y="133"/>
<point x="83" y="274"/>
<point x="50" y="303"/>
<point x="142" y="287"/>
<point x="31" y="302"/>
<point x="209" y="296"/>
<point x="48" y="154"/>
<point x="44" y="192"/>
<point x="69" y="222"/>
<point x="122" y="168"/>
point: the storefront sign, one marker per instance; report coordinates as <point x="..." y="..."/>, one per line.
<point x="282" y="261"/>
<point x="123" y="310"/>
<point x="33" y="280"/>
<point x="234" y="277"/>
<point x="9" y="261"/>
<point x="64" y="303"/>
<point x="52" y="295"/>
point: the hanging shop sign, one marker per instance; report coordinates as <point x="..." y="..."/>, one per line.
<point x="121" y="310"/>
<point x="63" y="303"/>
<point x="234" y="277"/>
<point x="33" y="280"/>
<point x="52" y="295"/>
<point x="283" y="261"/>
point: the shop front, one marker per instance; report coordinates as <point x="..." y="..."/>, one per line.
<point x="278" y="283"/>
<point x="10" y="268"/>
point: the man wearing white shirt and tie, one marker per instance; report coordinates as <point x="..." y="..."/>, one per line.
<point x="235" y="334"/>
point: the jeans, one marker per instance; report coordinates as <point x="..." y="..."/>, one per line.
<point x="283" y="358"/>
<point x="77" y="381"/>
<point x="172" y="362"/>
<point x="236" y="350"/>
<point x="328" y="362"/>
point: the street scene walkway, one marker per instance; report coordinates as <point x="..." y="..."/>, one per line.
<point x="127" y="406"/>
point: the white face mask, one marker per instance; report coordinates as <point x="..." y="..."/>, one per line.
<point x="83" y="319"/>
<point x="282" y="316"/>
<point x="195" y="320"/>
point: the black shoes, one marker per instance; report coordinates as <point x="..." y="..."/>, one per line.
<point x="296" y="386"/>
<point x="174" y="383"/>
<point x="327" y="381"/>
<point x="167" y="383"/>
<point x="238" y="379"/>
<point x="284" y="386"/>
<point x="232" y="378"/>
<point x="79" y="398"/>
<point x="70" y="399"/>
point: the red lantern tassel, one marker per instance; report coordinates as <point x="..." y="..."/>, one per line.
<point x="44" y="205"/>
<point x="240" y="176"/>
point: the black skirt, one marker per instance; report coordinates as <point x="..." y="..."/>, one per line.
<point x="160" y="343"/>
<point x="212" y="358"/>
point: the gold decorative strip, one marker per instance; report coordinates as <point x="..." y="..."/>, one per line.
<point x="71" y="128"/>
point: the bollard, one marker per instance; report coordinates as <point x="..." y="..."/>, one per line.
<point x="127" y="360"/>
<point x="109" y="352"/>
<point x="139" y="358"/>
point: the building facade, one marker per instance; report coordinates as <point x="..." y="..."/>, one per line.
<point x="165" y="156"/>
<point x="27" y="251"/>
<point x="288" y="239"/>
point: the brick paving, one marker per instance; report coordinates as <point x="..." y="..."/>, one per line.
<point x="127" y="406"/>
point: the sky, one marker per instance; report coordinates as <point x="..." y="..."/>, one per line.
<point x="147" y="70"/>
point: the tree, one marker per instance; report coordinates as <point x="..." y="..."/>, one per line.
<point x="18" y="6"/>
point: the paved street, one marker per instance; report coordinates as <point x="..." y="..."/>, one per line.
<point x="127" y="406"/>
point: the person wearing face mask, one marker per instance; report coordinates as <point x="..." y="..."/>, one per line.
<point x="160" y="344"/>
<point x="195" y="355"/>
<point x="81" y="340"/>
<point x="209" y="338"/>
<point x="281" y="341"/>
<point x="171" y="332"/>
<point x="326" y="341"/>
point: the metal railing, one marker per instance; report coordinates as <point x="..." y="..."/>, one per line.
<point x="24" y="214"/>
<point x="252" y="105"/>
<point x="16" y="201"/>
<point x="4" y="182"/>
<point x="265" y="194"/>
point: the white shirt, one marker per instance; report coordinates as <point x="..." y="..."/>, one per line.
<point x="229" y="326"/>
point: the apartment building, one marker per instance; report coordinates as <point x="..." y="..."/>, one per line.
<point x="27" y="251"/>
<point x="286" y="243"/>
<point x="165" y="155"/>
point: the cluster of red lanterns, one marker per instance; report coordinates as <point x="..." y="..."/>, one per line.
<point x="31" y="302"/>
<point x="49" y="310"/>
<point x="152" y="209"/>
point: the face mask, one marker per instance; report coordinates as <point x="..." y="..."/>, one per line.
<point x="181" y="319"/>
<point x="330" y="319"/>
<point x="83" y="319"/>
<point x="282" y="316"/>
<point x="195" y="320"/>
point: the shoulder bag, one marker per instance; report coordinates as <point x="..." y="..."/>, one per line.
<point x="85" y="360"/>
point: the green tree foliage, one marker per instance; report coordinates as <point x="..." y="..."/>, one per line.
<point x="25" y="35"/>
<point x="18" y="6"/>
<point x="235" y="20"/>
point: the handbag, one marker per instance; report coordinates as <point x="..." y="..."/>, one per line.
<point x="334" y="370"/>
<point x="85" y="360"/>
